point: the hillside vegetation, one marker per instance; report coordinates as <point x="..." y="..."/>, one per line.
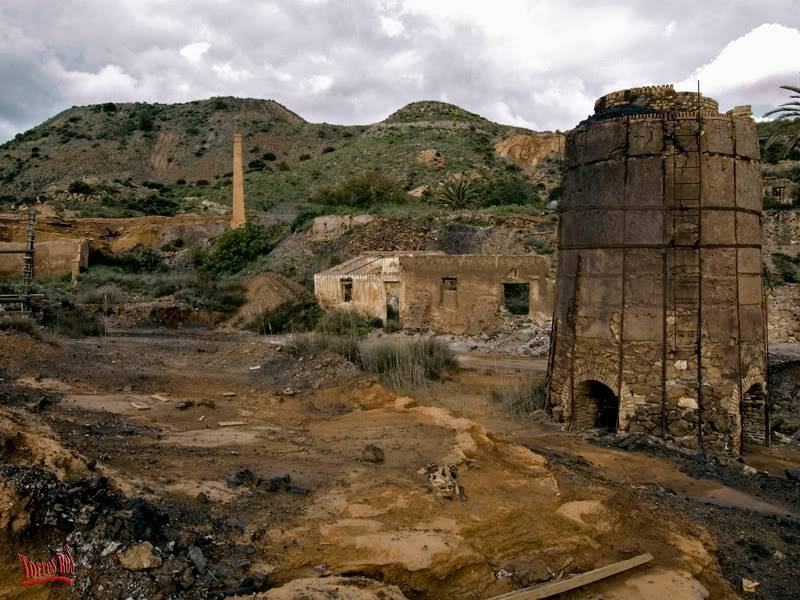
<point x="137" y="158"/>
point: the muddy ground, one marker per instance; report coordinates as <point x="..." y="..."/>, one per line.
<point x="207" y="464"/>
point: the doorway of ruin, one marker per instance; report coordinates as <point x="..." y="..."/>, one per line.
<point x="347" y="290"/>
<point x="517" y="298"/>
<point x="753" y="415"/>
<point x="595" y="405"/>
<point x="392" y="289"/>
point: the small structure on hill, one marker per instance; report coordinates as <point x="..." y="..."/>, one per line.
<point x="464" y="294"/>
<point x="781" y="191"/>
<point x="238" y="216"/>
<point x="660" y="319"/>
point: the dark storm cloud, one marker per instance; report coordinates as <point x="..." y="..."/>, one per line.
<point x="523" y="62"/>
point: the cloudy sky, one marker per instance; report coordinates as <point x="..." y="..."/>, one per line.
<point x="534" y="63"/>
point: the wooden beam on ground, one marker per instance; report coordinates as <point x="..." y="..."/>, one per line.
<point x="552" y="588"/>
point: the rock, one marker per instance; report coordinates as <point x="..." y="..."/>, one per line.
<point x="202" y="497"/>
<point x="184" y="404"/>
<point x="110" y="549"/>
<point x="793" y="474"/>
<point x="187" y="578"/>
<point x="748" y="470"/>
<point x="140" y="557"/>
<point x="748" y="585"/>
<point x="372" y="453"/>
<point x="198" y="559"/>
<point x="552" y="205"/>
<point x="687" y="402"/>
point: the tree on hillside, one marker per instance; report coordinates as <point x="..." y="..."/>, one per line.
<point x="788" y="117"/>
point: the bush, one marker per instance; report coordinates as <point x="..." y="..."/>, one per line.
<point x="339" y="322"/>
<point x="104" y="295"/>
<point x="457" y="194"/>
<point x="522" y="397"/>
<point x="235" y="249"/>
<point x="269" y="156"/>
<point x="257" y="165"/>
<point x="80" y="187"/>
<point x="361" y="191"/>
<point x="328" y="149"/>
<point x="219" y="104"/>
<point x="109" y="107"/>
<point x="506" y="189"/>
<point x="289" y="318"/>
<point x="308" y="344"/>
<point x="224" y="296"/>
<point x="145" y="121"/>
<point x="407" y="365"/>
<point x="305" y="157"/>
<point x="144" y="260"/>
<point x="284" y="166"/>
<point x="304" y="219"/>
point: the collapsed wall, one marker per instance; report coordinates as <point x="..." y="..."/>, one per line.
<point x="659" y="323"/>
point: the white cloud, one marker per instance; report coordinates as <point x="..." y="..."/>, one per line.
<point x="231" y="74"/>
<point x="539" y="64"/>
<point x="319" y="83"/>
<point x="194" y="53"/>
<point x="767" y="51"/>
<point x="391" y="26"/>
<point x="109" y="83"/>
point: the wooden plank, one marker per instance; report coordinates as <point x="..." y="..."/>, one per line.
<point x="556" y="587"/>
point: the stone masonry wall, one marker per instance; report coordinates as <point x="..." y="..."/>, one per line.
<point x="659" y="257"/>
<point x="475" y="305"/>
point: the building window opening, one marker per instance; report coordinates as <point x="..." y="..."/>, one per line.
<point x="516" y="298"/>
<point x="450" y="284"/>
<point x="347" y="290"/>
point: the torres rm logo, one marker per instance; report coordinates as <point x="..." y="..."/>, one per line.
<point x="60" y="568"/>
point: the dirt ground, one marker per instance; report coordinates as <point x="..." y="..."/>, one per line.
<point x="249" y="471"/>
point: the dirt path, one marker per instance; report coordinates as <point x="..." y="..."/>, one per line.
<point x="194" y="421"/>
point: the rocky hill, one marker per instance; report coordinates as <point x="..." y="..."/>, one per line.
<point x="137" y="158"/>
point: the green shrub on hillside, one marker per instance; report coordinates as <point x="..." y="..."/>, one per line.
<point x="361" y="191"/>
<point x="305" y="218"/>
<point x="235" y="249"/>
<point x="506" y="189"/>
<point x="143" y="260"/>
<point x="80" y="187"/>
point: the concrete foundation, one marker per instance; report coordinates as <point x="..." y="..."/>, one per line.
<point x="660" y="298"/>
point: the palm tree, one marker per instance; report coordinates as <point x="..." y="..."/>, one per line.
<point x="457" y="193"/>
<point x="788" y="120"/>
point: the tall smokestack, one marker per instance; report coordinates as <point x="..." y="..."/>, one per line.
<point x="237" y="215"/>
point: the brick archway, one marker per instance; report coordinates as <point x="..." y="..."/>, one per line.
<point x="605" y="376"/>
<point x="752" y="410"/>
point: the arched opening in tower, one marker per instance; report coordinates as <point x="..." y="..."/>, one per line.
<point x="595" y="405"/>
<point x="753" y="414"/>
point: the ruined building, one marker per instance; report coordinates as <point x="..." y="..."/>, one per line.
<point x="238" y="217"/>
<point x="660" y="315"/>
<point x="464" y="294"/>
